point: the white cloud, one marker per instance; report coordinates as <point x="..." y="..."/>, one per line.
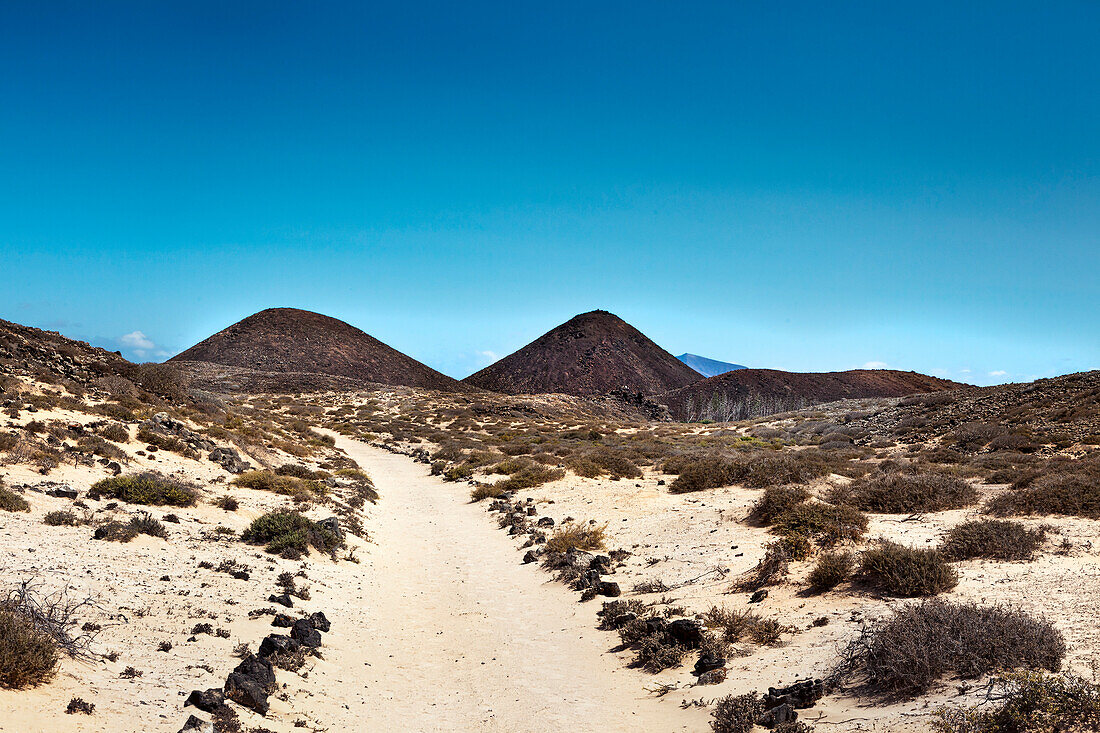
<point x="136" y="340"/>
<point x="874" y="365"/>
<point x="998" y="373"/>
<point x="964" y="371"/>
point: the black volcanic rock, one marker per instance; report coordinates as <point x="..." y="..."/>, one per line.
<point x="591" y="354"/>
<point x="289" y="347"/>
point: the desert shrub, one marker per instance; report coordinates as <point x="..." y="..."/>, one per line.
<point x="290" y="534"/>
<point x="227" y="502"/>
<point x="115" y="432"/>
<point x="164" y="442"/>
<point x="737" y="626"/>
<point x="8" y="440"/>
<point x="486" y="491"/>
<point x="830" y="570"/>
<point x="707" y="472"/>
<point x="11" y="501"/>
<point x="576" y="536"/>
<point x="998" y="539"/>
<point x="613" y="612"/>
<point x="144" y="488"/>
<point x="899" y="492"/>
<point x="736" y="713"/>
<point x="771" y="569"/>
<point x="141" y="523"/>
<point x="767" y="469"/>
<point x="828" y="524"/>
<point x="299" y="471"/>
<point x="602" y="461"/>
<point x="903" y="571"/>
<point x="97" y="446"/>
<point x="61" y="518"/>
<point x="1030" y="701"/>
<point x="353" y="473"/>
<point x="285" y="485"/>
<point x="657" y="652"/>
<point x="1071" y="489"/>
<point x="775" y="501"/>
<point x="28" y="655"/>
<point x="530" y="477"/>
<point x="458" y="473"/>
<point x="905" y="654"/>
<point x="163" y="380"/>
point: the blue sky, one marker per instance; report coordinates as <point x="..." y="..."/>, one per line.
<point x="802" y="186"/>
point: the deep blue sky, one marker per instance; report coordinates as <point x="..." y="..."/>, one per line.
<point x="808" y="186"/>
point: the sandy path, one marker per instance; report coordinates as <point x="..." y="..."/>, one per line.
<point x="456" y="634"/>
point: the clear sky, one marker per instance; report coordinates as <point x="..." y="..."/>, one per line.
<point x="797" y="185"/>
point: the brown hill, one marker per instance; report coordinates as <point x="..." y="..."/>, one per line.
<point x="590" y="354"/>
<point x="284" y="349"/>
<point x="748" y="393"/>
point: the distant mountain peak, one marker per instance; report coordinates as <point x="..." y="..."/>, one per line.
<point x="708" y="367"/>
<point x="591" y="353"/>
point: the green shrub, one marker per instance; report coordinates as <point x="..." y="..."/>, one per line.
<point x="576" y="536"/>
<point x="709" y="472"/>
<point x="290" y="534"/>
<point x="921" y="643"/>
<point x="998" y="539"/>
<point x="264" y="480"/>
<point x="906" y="571"/>
<point x="831" y="569"/>
<point x="459" y="473"/>
<point x="828" y="524"/>
<point x="144" y="488"/>
<point x="1030" y="701"/>
<point x="28" y="655"/>
<point x="11" y="501"/>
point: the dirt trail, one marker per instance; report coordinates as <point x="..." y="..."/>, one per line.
<point x="457" y="634"/>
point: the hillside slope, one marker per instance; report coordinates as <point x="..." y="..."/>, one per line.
<point x="278" y="344"/>
<point x="592" y="353"/>
<point x="747" y="393"/>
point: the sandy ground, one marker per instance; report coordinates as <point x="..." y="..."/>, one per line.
<point x="438" y="627"/>
<point x="453" y="633"/>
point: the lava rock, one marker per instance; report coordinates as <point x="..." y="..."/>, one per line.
<point x="607" y="588"/>
<point x="258" y="669"/>
<point x="282" y="621"/>
<point x="282" y="600"/>
<point x="801" y="694"/>
<point x="712" y="677"/>
<point x="197" y="725"/>
<point x="709" y="663"/>
<point x="206" y="700"/>
<point x="246" y="692"/>
<point x="530" y="556"/>
<point x="545" y="522"/>
<point x="759" y="595"/>
<point x="278" y="644"/>
<point x="304" y="633"/>
<point x="320" y="621"/>
<point x="777" y="715"/>
<point x="686" y="632"/>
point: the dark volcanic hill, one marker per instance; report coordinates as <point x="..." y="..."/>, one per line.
<point x="747" y="393"/>
<point x="285" y="349"/>
<point x="590" y="354"/>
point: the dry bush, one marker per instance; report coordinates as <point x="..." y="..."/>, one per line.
<point x="903" y="571"/>
<point x="604" y="460"/>
<point x="1030" y="701"/>
<point x="906" y="492"/>
<point x="61" y="518"/>
<point x="737" y="713"/>
<point x="905" y="654"/>
<point x="11" y="501"/>
<point x="264" y="480"/>
<point x="996" y="539"/>
<point x="777" y="500"/>
<point x="1070" y="489"/>
<point x="530" y="477"/>
<point x="771" y="569"/>
<point x="486" y="491"/>
<point x="576" y="536"/>
<point x="707" y="472"/>
<point x="28" y="655"/>
<point x="657" y="652"/>
<point x="145" y="488"/>
<point x="830" y="570"/>
<point x="115" y="432"/>
<point x="737" y="626"/>
<point x="141" y="523"/>
<point x="828" y="524"/>
<point x="759" y="471"/>
<point x="227" y="502"/>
